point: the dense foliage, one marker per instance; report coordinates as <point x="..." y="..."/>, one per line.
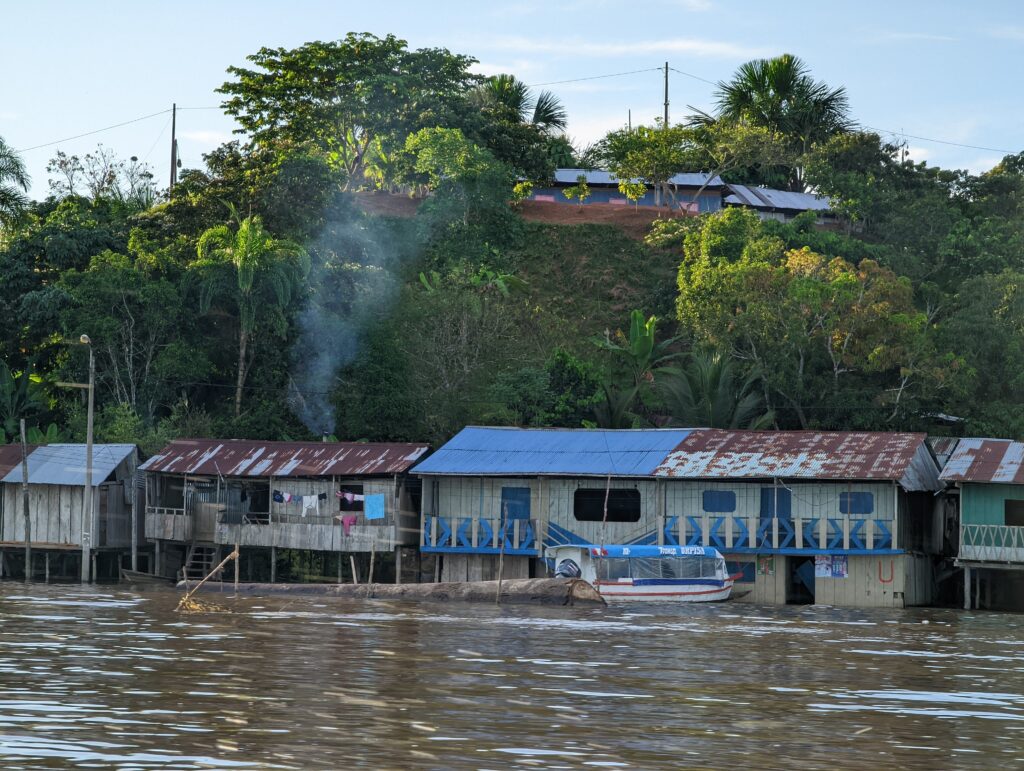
<point x="259" y="299"/>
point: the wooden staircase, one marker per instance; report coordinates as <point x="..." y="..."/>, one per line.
<point x="201" y="559"/>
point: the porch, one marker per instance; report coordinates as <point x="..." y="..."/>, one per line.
<point x="991" y="543"/>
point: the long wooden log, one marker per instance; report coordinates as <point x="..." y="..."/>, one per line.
<point x="526" y="591"/>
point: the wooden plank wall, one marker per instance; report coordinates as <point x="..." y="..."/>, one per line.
<point x="316" y="537"/>
<point x="168" y="527"/>
<point x="551" y="499"/>
<point x="55" y="514"/>
<point x="482" y="567"/>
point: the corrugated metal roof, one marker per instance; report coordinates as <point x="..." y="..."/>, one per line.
<point x="1000" y="461"/>
<point x="64" y="464"/>
<point x="767" y="198"/>
<point x="722" y="454"/>
<point x="250" y="458"/>
<point x="10" y="458"/>
<point x="601" y="177"/>
<point x="477" y="451"/>
<point x="942" y="447"/>
<point x="688" y="453"/>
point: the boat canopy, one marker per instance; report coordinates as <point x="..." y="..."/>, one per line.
<point x="646" y="551"/>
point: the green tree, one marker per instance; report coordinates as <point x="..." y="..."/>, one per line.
<point x="780" y="96"/>
<point x="650" y="154"/>
<point x="14" y="182"/>
<point x="634" y="191"/>
<point x="20" y="398"/>
<point x="507" y="92"/>
<point x="352" y="99"/>
<point x="579" y="192"/>
<point x="709" y="392"/>
<point x="256" y="273"/>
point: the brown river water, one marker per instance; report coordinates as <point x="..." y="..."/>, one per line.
<point x="104" y="677"/>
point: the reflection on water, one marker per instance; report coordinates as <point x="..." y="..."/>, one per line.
<point x="96" y="678"/>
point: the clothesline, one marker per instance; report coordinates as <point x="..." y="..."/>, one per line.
<point x="373" y="505"/>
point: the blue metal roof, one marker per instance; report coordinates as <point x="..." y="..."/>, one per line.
<point x="64" y="464"/>
<point x="481" y="451"/>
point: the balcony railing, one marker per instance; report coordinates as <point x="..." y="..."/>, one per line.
<point x="991" y="543"/>
<point x="470" y="535"/>
<point x="734" y="533"/>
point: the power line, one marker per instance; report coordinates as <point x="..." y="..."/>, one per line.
<point x="108" y="128"/>
<point x="939" y="141"/>
<point x="695" y="77"/>
<point x="97" y="131"/>
<point x="594" y="77"/>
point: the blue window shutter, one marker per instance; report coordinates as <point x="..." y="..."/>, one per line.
<point x="515" y="501"/>
<point x="768" y="498"/>
<point x="719" y="500"/>
<point x="856" y="503"/>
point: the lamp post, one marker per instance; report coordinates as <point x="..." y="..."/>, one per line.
<point x="87" y="510"/>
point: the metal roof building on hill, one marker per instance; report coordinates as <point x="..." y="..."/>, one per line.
<point x="688" y="453"/>
<point x="998" y="461"/>
<point x="253" y="458"/>
<point x="601" y="177"/>
<point x="775" y="200"/>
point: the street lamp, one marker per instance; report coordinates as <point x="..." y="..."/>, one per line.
<point x="87" y="512"/>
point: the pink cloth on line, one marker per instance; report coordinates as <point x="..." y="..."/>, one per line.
<point x="346" y="522"/>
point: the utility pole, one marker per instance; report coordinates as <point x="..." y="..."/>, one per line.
<point x="87" y="511"/>
<point x="174" y="144"/>
<point x="24" y="505"/>
<point x="666" y="95"/>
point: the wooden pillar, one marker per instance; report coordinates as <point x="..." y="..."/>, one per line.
<point x="273" y="564"/>
<point x="398" y="564"/>
<point x="157" y="562"/>
<point x="134" y="509"/>
<point x="967" y="588"/>
<point x="977" y="592"/>
<point x="92" y="571"/>
<point x="3" y="566"/>
<point x="46" y="566"/>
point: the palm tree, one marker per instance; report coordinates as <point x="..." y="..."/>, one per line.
<point x="13" y="176"/>
<point x="545" y="112"/>
<point x="262" y="274"/>
<point x="780" y="95"/>
<point x="708" y="393"/>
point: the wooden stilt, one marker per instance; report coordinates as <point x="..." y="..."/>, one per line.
<point x="157" y="566"/>
<point x="339" y="568"/>
<point x="273" y="564"/>
<point x="355" y="574"/>
<point x="46" y="566"/>
<point x="398" y="564"/>
<point x="967" y="588"/>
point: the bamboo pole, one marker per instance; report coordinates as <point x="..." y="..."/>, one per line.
<point x="352" y="562"/>
<point x="232" y="556"/>
<point x="501" y="551"/>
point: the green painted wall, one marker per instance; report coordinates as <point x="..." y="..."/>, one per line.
<point x="983" y="504"/>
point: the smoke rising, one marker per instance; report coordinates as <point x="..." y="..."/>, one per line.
<point x="352" y="284"/>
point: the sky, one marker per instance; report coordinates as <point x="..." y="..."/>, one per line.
<point x="926" y="72"/>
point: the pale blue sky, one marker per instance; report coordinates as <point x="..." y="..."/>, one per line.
<point x="943" y="70"/>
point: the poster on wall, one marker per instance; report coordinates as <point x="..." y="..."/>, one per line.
<point x="840" y="567"/>
<point x="766" y="566"/>
<point x="822" y="566"/>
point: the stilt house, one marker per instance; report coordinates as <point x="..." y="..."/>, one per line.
<point x="206" y="494"/>
<point x="988" y="474"/>
<point x="57" y="503"/>
<point x="832" y="517"/>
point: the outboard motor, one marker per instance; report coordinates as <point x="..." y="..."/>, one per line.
<point x="568" y="569"/>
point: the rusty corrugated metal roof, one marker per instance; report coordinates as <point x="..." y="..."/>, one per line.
<point x="724" y="454"/>
<point x="252" y="458"/>
<point x="1000" y="461"/>
<point x="698" y="453"/>
<point x="10" y="457"/>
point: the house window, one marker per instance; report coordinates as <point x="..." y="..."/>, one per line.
<point x="719" y="501"/>
<point x="515" y="503"/>
<point x="623" y="505"/>
<point x="350" y="497"/>
<point x="776" y="496"/>
<point x="1013" y="513"/>
<point x="856" y="503"/>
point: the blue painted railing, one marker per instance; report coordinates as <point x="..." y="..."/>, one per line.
<point x="780" y="535"/>
<point x="472" y="535"/>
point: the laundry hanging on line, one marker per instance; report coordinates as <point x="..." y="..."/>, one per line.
<point x="310" y="503"/>
<point x="349" y="496"/>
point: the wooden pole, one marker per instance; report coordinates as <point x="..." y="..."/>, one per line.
<point x="273" y="564"/>
<point x="135" y="521"/>
<point x="237" y="560"/>
<point x="47" y="567"/>
<point x="352" y="562"/>
<point x="24" y="505"/>
<point x="398" y="564"/>
<point x="501" y="552"/>
<point x="87" y="513"/>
